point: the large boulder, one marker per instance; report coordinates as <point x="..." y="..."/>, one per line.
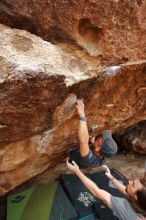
<point x="39" y="85"/>
<point x="111" y="31"/>
<point x="35" y="78"/>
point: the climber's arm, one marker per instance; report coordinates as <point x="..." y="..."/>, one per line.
<point x="83" y="130"/>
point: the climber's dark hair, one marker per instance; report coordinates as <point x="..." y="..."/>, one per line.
<point x="98" y="136"/>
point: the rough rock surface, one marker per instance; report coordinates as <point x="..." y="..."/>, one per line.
<point x="133" y="138"/>
<point x="112" y="31"/>
<point x="38" y="87"/>
<point x="34" y="81"/>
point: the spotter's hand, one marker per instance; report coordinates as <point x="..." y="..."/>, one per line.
<point x="73" y="167"/>
<point x="107" y="171"/>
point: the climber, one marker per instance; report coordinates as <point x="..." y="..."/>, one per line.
<point x="127" y="208"/>
<point x="91" y="155"/>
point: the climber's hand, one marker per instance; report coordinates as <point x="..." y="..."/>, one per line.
<point x="80" y="108"/>
<point x="107" y="171"/>
<point x="73" y="167"/>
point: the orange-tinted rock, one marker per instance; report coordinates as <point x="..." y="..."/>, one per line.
<point x="112" y="31"/>
<point x="34" y="81"/>
<point x="39" y="85"/>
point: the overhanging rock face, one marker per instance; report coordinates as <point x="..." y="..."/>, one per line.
<point x="112" y="31"/>
<point x="35" y="78"/>
<point x="39" y="85"/>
